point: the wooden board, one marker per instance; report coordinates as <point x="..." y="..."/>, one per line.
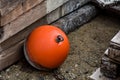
<point x="7" y="6"/>
<point x="26" y="5"/>
<point x="114" y="54"/>
<point x="24" y="21"/>
<point x="19" y="9"/>
<point x="11" y="55"/>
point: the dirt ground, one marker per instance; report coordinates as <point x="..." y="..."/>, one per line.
<point x="88" y="43"/>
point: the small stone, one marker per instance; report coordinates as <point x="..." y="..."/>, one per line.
<point x="17" y="74"/>
<point x="72" y="75"/>
<point x="76" y="65"/>
<point x="8" y="70"/>
<point x="8" y="77"/>
<point x="73" y="69"/>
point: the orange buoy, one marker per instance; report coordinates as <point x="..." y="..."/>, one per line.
<point x="47" y="46"/>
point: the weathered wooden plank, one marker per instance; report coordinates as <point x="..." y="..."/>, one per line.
<point x="24" y="21"/>
<point x="114" y="54"/>
<point x="20" y="35"/>
<point x="19" y="10"/>
<point x="15" y="53"/>
<point x="50" y="18"/>
<point x="106" y="53"/>
<point x="8" y="5"/>
<point x="27" y="5"/>
<point x="12" y="15"/>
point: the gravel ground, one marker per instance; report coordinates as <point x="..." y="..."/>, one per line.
<point x="88" y="43"/>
